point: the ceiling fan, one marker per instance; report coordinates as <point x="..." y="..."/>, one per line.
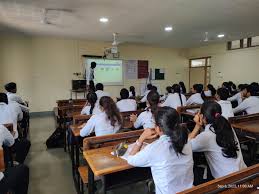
<point x="113" y="50"/>
<point x="208" y="38"/>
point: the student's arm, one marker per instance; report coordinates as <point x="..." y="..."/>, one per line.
<point x="189" y="101"/>
<point x="20" y="113"/>
<point x="140" y="121"/>
<point x="8" y="137"/>
<point x="166" y="102"/>
<point x="144" y="99"/>
<point x="200" y="143"/>
<point x="198" y="120"/>
<point x="85" y="110"/>
<point x="241" y="107"/>
<point x="233" y="98"/>
<point x="89" y="127"/>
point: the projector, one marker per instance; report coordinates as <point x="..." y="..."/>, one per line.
<point x="114" y="49"/>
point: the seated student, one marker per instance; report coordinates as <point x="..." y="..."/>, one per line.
<point x="169" y="157"/>
<point x="211" y="91"/>
<point x="218" y="141"/>
<point x="146" y="118"/>
<point x="240" y="95"/>
<point x="168" y="92"/>
<point x="226" y="106"/>
<point x="14" y="178"/>
<point x="91" y="107"/>
<point x="251" y="104"/>
<point x="99" y="91"/>
<point x="132" y="92"/>
<point x="149" y="88"/>
<point x="198" y="97"/>
<point x="109" y="121"/>
<point x="176" y="99"/>
<point x="182" y="87"/>
<point x="10" y="113"/>
<point x="126" y="104"/>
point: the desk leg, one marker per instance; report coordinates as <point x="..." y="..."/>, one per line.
<point x="103" y="189"/>
<point x="73" y="153"/>
<point x="90" y="181"/>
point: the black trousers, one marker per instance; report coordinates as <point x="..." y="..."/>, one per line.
<point x="21" y="149"/>
<point x="15" y="179"/>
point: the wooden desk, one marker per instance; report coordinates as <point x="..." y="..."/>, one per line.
<point x="2" y="164"/>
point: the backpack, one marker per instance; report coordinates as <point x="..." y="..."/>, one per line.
<point x="56" y="140"/>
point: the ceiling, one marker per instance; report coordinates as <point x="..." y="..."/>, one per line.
<point x="138" y="21"/>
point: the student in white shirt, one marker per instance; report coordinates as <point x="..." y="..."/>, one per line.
<point x="240" y="95"/>
<point x="91" y="107"/>
<point x="226" y="106"/>
<point x="176" y="99"/>
<point x="182" y="87"/>
<point x="218" y="141"/>
<point x="149" y="88"/>
<point x="251" y="104"/>
<point x="132" y="92"/>
<point x="169" y="157"/>
<point x="109" y="121"/>
<point x="146" y="118"/>
<point x="198" y="96"/>
<point x="90" y="76"/>
<point x="211" y="91"/>
<point x="9" y="113"/>
<point x="99" y="91"/>
<point x="168" y="92"/>
<point x="126" y="104"/>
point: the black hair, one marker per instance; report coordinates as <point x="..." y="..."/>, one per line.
<point x="199" y="89"/>
<point x="182" y="87"/>
<point x="124" y="93"/>
<point x="91" y="99"/>
<point x="132" y="90"/>
<point x="153" y="100"/>
<point x="223" y="93"/>
<point x="243" y="87"/>
<point x="149" y="86"/>
<point x="99" y="86"/>
<point x="225" y="137"/>
<point x="169" y="89"/>
<point x="168" y="120"/>
<point x="177" y="89"/>
<point x="93" y="65"/>
<point x="252" y="89"/>
<point x="3" y="98"/>
<point x="10" y="87"/>
<point x="212" y="89"/>
<point x="154" y="88"/>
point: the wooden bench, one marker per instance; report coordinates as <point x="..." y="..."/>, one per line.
<point x="2" y="164"/>
<point x="242" y="182"/>
<point x="74" y="101"/>
<point x="127" y="124"/>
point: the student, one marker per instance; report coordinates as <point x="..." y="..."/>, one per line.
<point x="132" y="92"/>
<point x="251" y="104"/>
<point x="9" y="113"/>
<point x="168" y="92"/>
<point x="126" y="104"/>
<point x="198" y="97"/>
<point x="99" y="91"/>
<point x="90" y="76"/>
<point x="146" y="118"/>
<point x="226" y="106"/>
<point x="211" y="91"/>
<point x="218" y="141"/>
<point x="176" y="99"/>
<point x="149" y="88"/>
<point x="169" y="157"/>
<point x="240" y="95"/>
<point x="14" y="178"/>
<point x="183" y="88"/>
<point x="109" y="121"/>
<point x="91" y="107"/>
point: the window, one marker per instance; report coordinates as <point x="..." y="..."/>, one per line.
<point x="255" y="41"/>
<point x="243" y="43"/>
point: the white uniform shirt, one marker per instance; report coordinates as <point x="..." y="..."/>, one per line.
<point x="100" y="125"/>
<point x="90" y="75"/>
<point x="195" y="99"/>
<point x="173" y="101"/>
<point x="226" y="107"/>
<point x="145" y="119"/>
<point x="101" y="93"/>
<point x="125" y="105"/>
<point x="86" y="110"/>
<point x="11" y="113"/>
<point x="237" y="97"/>
<point x="6" y="139"/>
<point x="219" y="165"/>
<point x="144" y="99"/>
<point x="207" y="93"/>
<point x="250" y="105"/>
<point x="171" y="173"/>
<point x="130" y="94"/>
<point x="12" y="97"/>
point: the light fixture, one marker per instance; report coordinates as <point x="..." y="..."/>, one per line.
<point x="103" y="19"/>
<point x="221" y="35"/>
<point x="168" y="28"/>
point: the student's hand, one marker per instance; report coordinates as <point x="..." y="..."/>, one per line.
<point x="147" y="134"/>
<point x="81" y="126"/>
<point x="133" y="118"/>
<point x="198" y="119"/>
<point x="13" y="133"/>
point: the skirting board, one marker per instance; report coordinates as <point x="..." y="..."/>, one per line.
<point x="42" y="114"/>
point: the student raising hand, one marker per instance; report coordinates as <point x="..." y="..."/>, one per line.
<point x="147" y="134"/>
<point x="133" y="118"/>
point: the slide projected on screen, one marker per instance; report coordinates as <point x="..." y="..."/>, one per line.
<point x="107" y="71"/>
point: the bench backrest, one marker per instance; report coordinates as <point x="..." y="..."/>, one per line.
<point x="244" y="118"/>
<point x="2" y="165"/>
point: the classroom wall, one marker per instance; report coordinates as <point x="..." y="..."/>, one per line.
<point x="239" y="66"/>
<point x="43" y="67"/>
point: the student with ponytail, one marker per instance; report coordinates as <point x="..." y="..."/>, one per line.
<point x="146" y="118"/>
<point x="169" y="157"/>
<point x="211" y="91"/>
<point x="176" y="99"/>
<point x="198" y="97"/>
<point x="91" y="107"/>
<point x="107" y="122"/>
<point x="218" y="141"/>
